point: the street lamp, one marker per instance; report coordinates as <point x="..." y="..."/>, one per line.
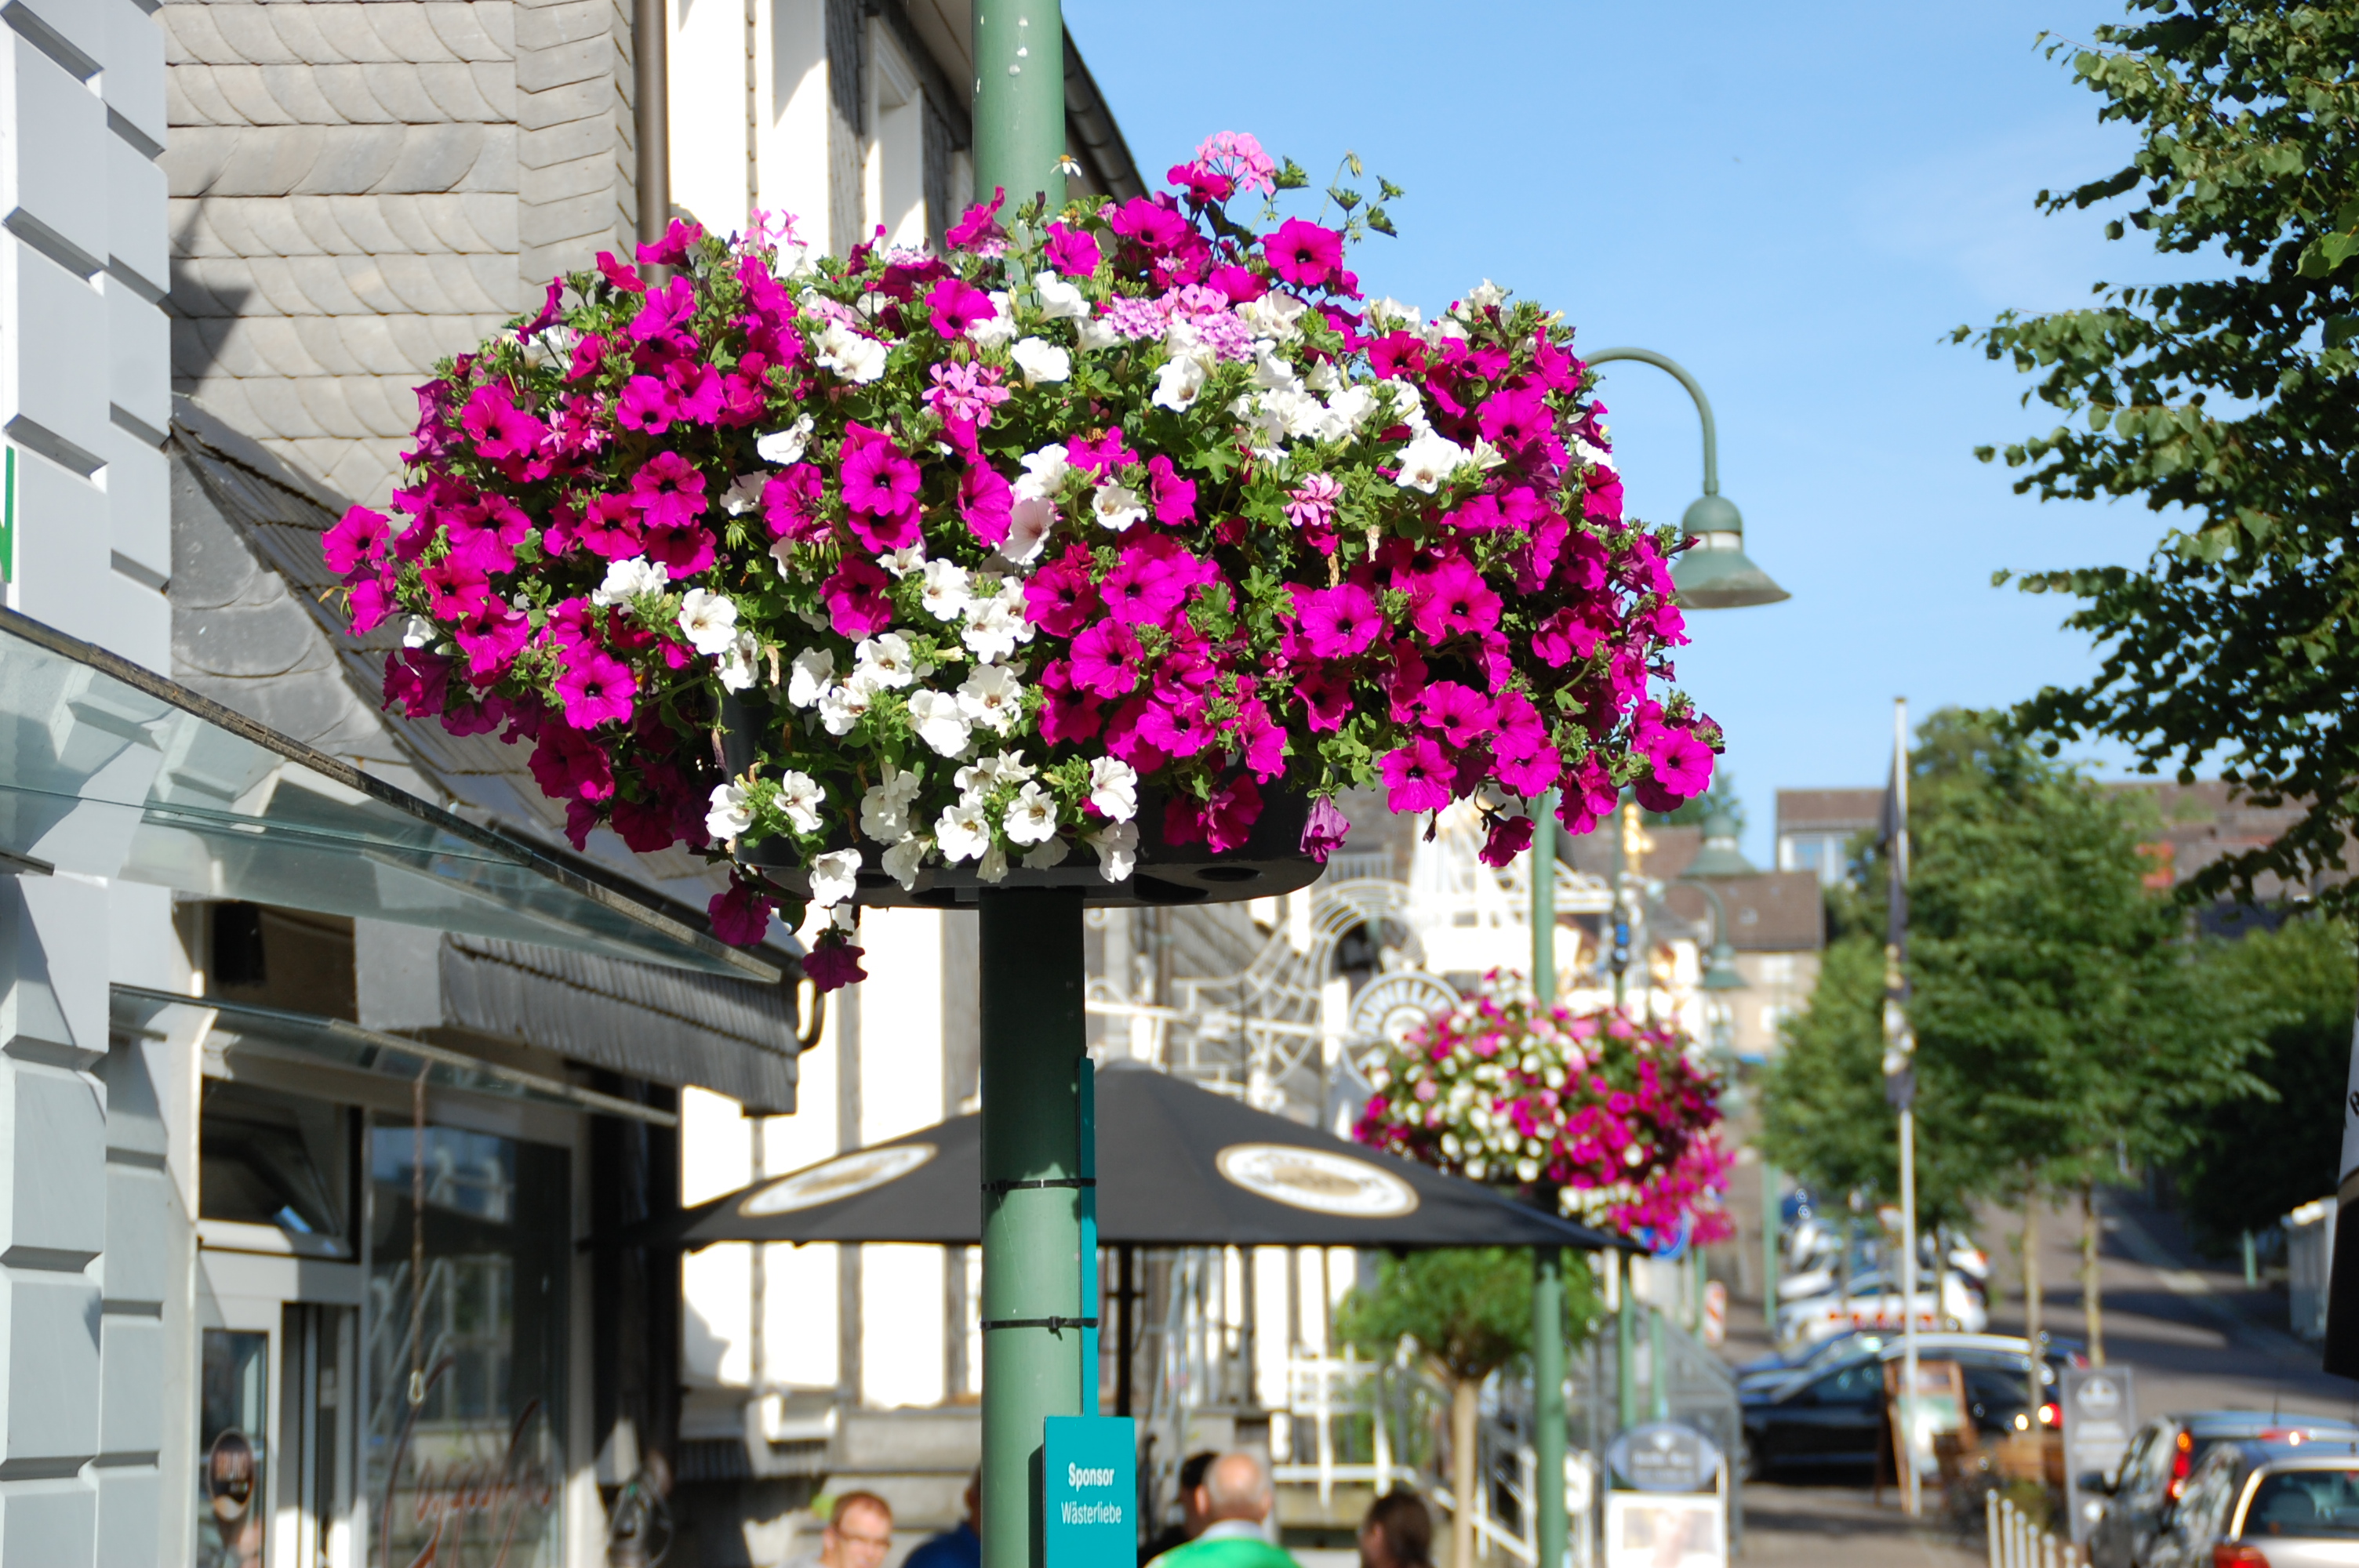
<point x="1715" y="573"/>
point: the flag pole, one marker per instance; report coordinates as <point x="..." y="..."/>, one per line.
<point x="1900" y="1089"/>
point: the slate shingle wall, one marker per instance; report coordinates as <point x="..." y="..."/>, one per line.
<point x="359" y="189"/>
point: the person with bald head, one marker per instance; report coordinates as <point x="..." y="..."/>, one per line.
<point x="1234" y="1499"/>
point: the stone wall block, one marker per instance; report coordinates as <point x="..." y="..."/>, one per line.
<point x="133" y="80"/>
<point x="137" y="240"/>
<point x="60" y="373"/>
<point x="56" y="1166"/>
<point x="50" y="1330"/>
<point x="138" y="502"/>
<point x="131" y="1368"/>
<point x="139" y="357"/>
<point x="49" y="1521"/>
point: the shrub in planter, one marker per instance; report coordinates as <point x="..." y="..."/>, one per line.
<point x="1616" y="1115"/>
<point x="1118" y="504"/>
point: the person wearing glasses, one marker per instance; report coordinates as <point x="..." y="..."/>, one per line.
<point x="859" y="1534"/>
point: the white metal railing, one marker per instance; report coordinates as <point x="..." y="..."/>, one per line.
<point x="2016" y="1542"/>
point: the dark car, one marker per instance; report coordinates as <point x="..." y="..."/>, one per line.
<point x="1837" y="1416"/>
<point x="2138" y="1497"/>
<point x="2287" y="1504"/>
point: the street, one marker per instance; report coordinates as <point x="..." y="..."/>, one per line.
<point x="2197" y="1338"/>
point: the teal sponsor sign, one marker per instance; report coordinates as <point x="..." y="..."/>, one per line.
<point x="1089" y="1492"/>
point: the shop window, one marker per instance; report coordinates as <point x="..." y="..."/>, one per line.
<point x="232" y="1425"/>
<point x="275" y="1163"/>
<point x="466" y="1371"/>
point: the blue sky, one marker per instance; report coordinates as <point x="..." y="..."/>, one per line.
<point x="1797" y="202"/>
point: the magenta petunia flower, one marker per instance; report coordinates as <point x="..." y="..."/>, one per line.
<point x="1230" y="815"/>
<point x="501" y="430"/>
<point x="1174" y="498"/>
<point x="855" y="597"/>
<point x="1072" y="252"/>
<point x="1682" y="762"/>
<point x="741" y="915"/>
<point x="956" y="307"/>
<point x="835" y="965"/>
<point x="1107" y="658"/>
<point x="1514" y="417"/>
<point x="1509" y="836"/>
<point x="986" y="501"/>
<point x="1143" y="589"/>
<point x="1417" y="777"/>
<point x="672" y="249"/>
<point x="1304" y="253"/>
<point x="877" y="476"/>
<point x="1059" y="598"/>
<point x="790" y="503"/>
<point x="886" y="532"/>
<point x="417" y="682"/>
<point x="1461" y="713"/>
<point x="491" y="635"/>
<point x="609" y="528"/>
<point x="1339" y="622"/>
<point x="594" y="688"/>
<point x="665" y="311"/>
<point x="359" y="536"/>
<point x="1326" y="696"/>
<point x="667" y="491"/>
<point x="1324" y="833"/>
<point x="1097" y="455"/>
<point x="1067" y="712"/>
<point x="1451" y="599"/>
<point x="979" y="231"/>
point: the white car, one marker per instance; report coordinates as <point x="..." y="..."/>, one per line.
<point x="1874" y="1301"/>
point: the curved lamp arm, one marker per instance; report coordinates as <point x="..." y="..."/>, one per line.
<point x="1703" y="403"/>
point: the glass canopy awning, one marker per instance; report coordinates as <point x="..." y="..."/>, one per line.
<point x="238" y="1030"/>
<point x="109" y="770"/>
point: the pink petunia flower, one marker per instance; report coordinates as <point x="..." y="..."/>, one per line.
<point x="1417" y="777"/>
<point x="855" y="597"/>
<point x="1072" y="252"/>
<point x="1106" y="659"/>
<point x="1509" y="836"/>
<point x="1339" y="622"/>
<point x="956" y="307"/>
<point x="359" y="538"/>
<point x="986" y="501"/>
<point x="1325" y="831"/>
<point x="501" y="430"/>
<point x="876" y="478"/>
<point x="741" y="915"/>
<point x="667" y="491"/>
<point x="594" y="688"/>
<point x="1304" y="253"/>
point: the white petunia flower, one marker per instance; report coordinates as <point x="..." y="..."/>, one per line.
<point x="708" y="619"/>
<point x="1179" y="384"/>
<point x="736" y="666"/>
<point x="1389" y="312"/>
<point x="885" y="663"/>
<point x="940" y="721"/>
<point x="992" y="866"/>
<point x="1118" y="847"/>
<point x="855" y="358"/>
<point x="626" y="580"/>
<point x="743" y="494"/>
<point x="1000" y="329"/>
<point x="979" y="777"/>
<point x="1043" y="470"/>
<point x="1049" y="854"/>
<point x="732" y="812"/>
<point x="1273" y="315"/>
<point x="945" y="595"/>
<point x="784" y="447"/>
<point x="1040" y="360"/>
<point x="1347" y="410"/>
<point x="834" y="877"/>
<point x="1486" y="456"/>
<point x="961" y="833"/>
<point x="814" y="672"/>
<point x="1113" y="789"/>
<point x="1484" y="295"/>
<point x="1117" y="507"/>
<point x="801" y="797"/>
<point x="993" y="630"/>
<point x="1428" y="461"/>
<point x="992" y="698"/>
<point x="885" y="809"/>
<point x="903" y="859"/>
<point x="420" y="632"/>
<point x="1323" y="377"/>
<point x="842" y="706"/>
<point x="1589" y="452"/>
<point x="1296" y="414"/>
<point x="1272" y="374"/>
<point x="1028" y="522"/>
<point x="1096" y="337"/>
<point x="1407" y="405"/>
<point x="1060" y="301"/>
<point x="1031" y="815"/>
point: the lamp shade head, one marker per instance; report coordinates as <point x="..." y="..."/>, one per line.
<point x="1714" y="572"/>
<point x="1719" y="855"/>
<point x="1720" y="974"/>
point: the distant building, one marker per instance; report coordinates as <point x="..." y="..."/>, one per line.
<point x="2192" y="826"/>
<point x="1815" y="827"/>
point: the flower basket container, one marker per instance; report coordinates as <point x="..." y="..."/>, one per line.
<point x="1102" y="550"/>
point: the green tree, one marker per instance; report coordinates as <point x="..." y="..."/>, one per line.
<point x="2256" y="1157"/>
<point x="2059" y="1017"/>
<point x="2226" y="403"/>
<point x="1469" y="1312"/>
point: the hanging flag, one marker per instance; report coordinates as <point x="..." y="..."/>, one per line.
<point x="1899" y="1042"/>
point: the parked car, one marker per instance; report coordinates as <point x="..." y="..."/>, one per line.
<point x="1875" y="1301"/>
<point x="2266" y="1503"/>
<point x="1835" y="1417"/>
<point x="2138" y="1498"/>
<point x="1767" y="1376"/>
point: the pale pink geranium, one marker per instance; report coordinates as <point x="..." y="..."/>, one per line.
<point x="965" y="391"/>
<point x="1311" y="503"/>
<point x="1237" y="156"/>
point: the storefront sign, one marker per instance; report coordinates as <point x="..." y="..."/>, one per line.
<point x="1089" y="1492"/>
<point x="1665" y="1456"/>
<point x="452" y="1502"/>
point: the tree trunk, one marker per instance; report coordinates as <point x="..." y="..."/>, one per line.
<point x="2092" y="1300"/>
<point x="2032" y="1202"/>
<point x="1462" y="1411"/>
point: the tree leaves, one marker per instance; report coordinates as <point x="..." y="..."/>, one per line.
<point x="2226" y="401"/>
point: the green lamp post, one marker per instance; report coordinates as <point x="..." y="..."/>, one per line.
<point x="1715" y="573"/>
<point x="1034" y="1031"/>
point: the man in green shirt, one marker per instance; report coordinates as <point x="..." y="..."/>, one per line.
<point x="1236" y="1498"/>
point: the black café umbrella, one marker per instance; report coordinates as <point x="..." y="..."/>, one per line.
<point x="1177" y="1166"/>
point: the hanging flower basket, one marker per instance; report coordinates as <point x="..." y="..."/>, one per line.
<point x="1616" y="1115"/>
<point x="1107" y="547"/>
